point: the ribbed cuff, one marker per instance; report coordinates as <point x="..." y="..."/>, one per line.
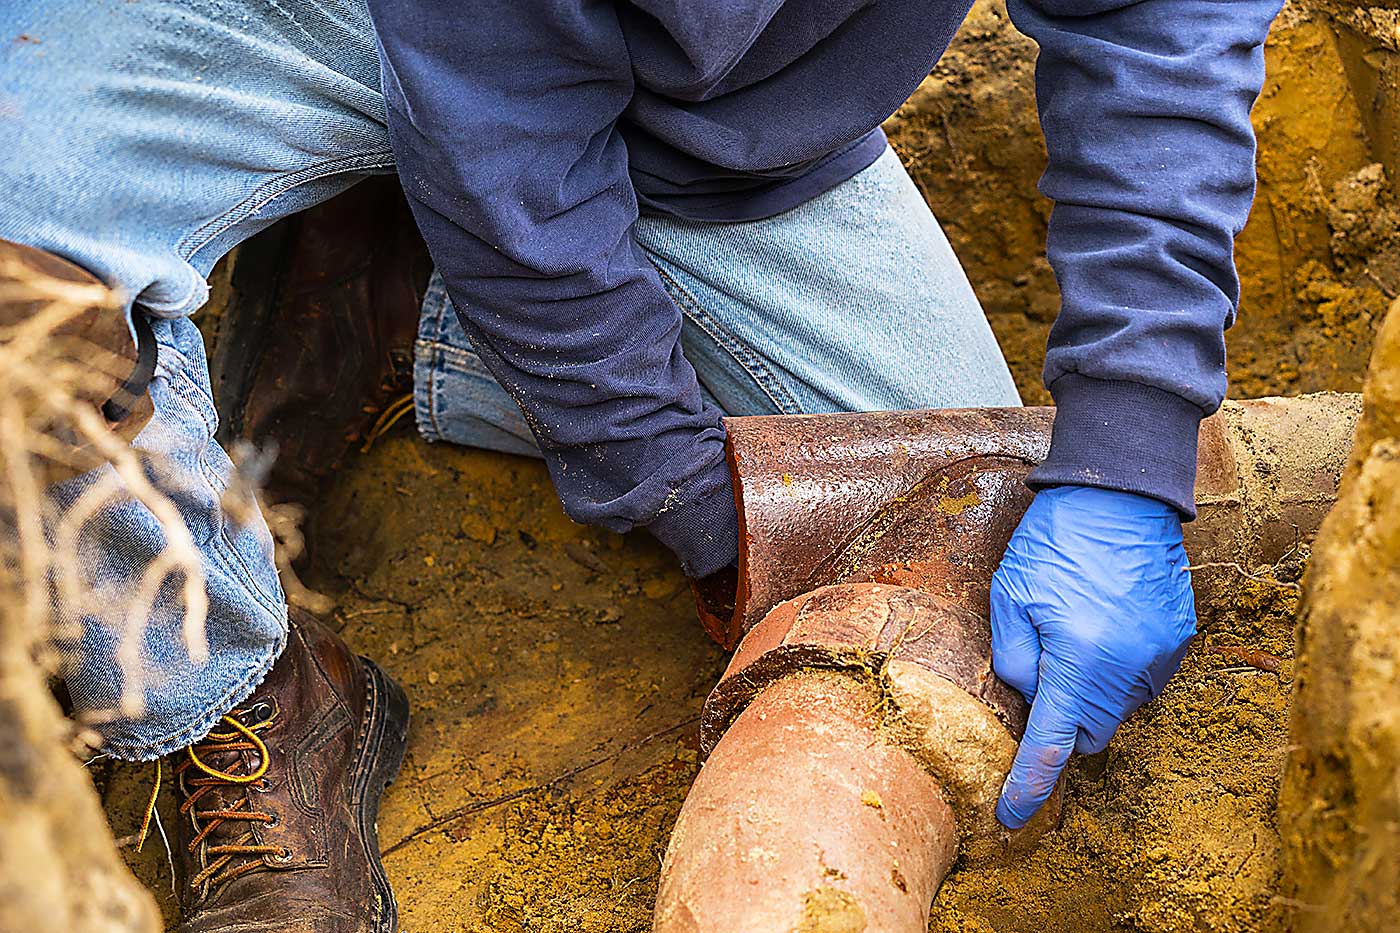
<point x="1125" y="436"/>
<point x="702" y="527"/>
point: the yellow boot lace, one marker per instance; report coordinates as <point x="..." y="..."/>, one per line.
<point x="239" y="738"/>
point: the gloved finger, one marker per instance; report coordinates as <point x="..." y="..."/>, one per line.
<point x="1046" y="746"/>
<point x="1100" y="716"/>
<point x="1015" y="642"/>
<point x="1099" y="722"/>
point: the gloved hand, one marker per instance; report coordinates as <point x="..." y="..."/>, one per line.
<point x="1091" y="613"/>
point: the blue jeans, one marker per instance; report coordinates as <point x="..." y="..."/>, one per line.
<point x="144" y="140"/>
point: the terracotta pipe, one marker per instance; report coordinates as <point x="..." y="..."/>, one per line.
<point x="857" y="743"/>
<point x="929" y="499"/>
<point x="804" y="796"/>
<point x="867" y="550"/>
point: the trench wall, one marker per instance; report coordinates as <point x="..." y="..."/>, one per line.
<point x="1318" y="260"/>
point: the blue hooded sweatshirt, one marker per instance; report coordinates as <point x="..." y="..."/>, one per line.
<point x="530" y="133"/>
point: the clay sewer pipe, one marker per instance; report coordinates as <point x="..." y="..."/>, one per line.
<point x="858" y="739"/>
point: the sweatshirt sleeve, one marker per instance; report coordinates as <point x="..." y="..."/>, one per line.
<point x="1145" y="108"/>
<point x="503" y="117"/>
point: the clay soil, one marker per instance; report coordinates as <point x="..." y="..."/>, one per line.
<point x="1317" y="262"/>
<point x="557" y="672"/>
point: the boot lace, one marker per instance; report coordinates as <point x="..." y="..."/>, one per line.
<point x="242" y="854"/>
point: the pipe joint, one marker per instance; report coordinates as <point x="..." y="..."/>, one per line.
<point x="928" y="662"/>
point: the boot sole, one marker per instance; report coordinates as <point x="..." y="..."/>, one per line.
<point x="383" y="742"/>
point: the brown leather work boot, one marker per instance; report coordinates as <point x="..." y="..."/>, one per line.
<point x="278" y="806"/>
<point x="317" y="339"/>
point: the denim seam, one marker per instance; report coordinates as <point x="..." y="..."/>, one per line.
<point x="435" y="390"/>
<point x="424" y="394"/>
<point x="272" y="189"/>
<point x="747" y="359"/>
<point x="200" y="725"/>
<point x="225" y="551"/>
<point x="223" y="547"/>
<point x="194" y="241"/>
<point x="443" y="305"/>
<point x="202" y="402"/>
<point x="228" y="553"/>
<point x="171" y="362"/>
<point x="183" y="385"/>
<point x="447" y="350"/>
<point x="435" y="386"/>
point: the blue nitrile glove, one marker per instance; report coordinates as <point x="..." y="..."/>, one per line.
<point x="1091" y="613"/>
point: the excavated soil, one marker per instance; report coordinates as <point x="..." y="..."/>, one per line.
<point x="557" y="672"/>
<point x="1340" y="803"/>
<point x="1173" y="827"/>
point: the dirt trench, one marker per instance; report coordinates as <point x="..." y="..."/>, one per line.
<point x="557" y="671"/>
<point x="1340" y="802"/>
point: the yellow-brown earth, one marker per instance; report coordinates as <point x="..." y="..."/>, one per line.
<point x="557" y="672"/>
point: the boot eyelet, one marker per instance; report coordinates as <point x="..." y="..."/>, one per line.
<point x="274" y="822"/>
<point x="259" y="712"/>
<point x="282" y="859"/>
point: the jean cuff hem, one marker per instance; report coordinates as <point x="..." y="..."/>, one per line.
<point x="204" y="723"/>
